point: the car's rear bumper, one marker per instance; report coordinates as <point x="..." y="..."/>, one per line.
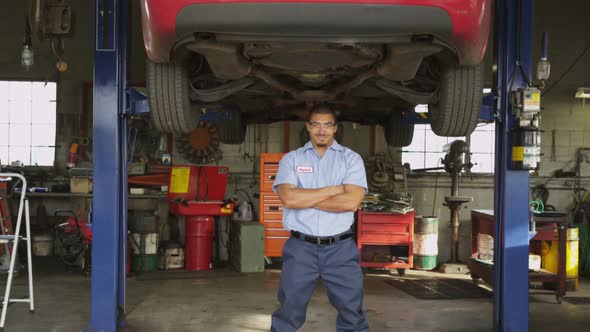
<point x="463" y="24"/>
<point x="312" y="19"/>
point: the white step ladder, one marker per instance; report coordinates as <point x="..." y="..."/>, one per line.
<point x="14" y="239"/>
<point x="4" y="259"/>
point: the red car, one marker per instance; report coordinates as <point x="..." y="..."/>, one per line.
<point x="271" y="60"/>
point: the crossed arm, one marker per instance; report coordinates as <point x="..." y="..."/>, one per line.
<point x="343" y="198"/>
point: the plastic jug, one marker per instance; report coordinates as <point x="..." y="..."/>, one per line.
<point x="245" y="212"/>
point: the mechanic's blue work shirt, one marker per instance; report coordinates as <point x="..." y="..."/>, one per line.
<point x="305" y="169"/>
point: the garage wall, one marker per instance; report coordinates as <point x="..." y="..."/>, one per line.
<point x="79" y="54"/>
<point x="569" y="33"/>
<point x="564" y="117"/>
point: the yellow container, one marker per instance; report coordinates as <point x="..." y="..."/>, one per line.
<point x="550" y="254"/>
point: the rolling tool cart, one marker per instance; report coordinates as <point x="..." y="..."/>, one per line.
<point x="386" y="240"/>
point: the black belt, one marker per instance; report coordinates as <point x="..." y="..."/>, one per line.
<point x="320" y="241"/>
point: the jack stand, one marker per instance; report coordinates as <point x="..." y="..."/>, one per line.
<point x="454" y="164"/>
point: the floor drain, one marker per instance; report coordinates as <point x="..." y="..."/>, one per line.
<point x="577" y="300"/>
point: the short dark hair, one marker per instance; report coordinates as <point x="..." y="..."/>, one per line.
<point x="322" y="109"/>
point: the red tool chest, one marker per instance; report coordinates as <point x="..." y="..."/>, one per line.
<point x="271" y="208"/>
<point x="382" y="237"/>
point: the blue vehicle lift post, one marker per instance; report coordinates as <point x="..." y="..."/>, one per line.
<point x="109" y="203"/>
<point x="513" y="45"/>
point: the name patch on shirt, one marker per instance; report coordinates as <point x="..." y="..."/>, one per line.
<point x="304" y="169"/>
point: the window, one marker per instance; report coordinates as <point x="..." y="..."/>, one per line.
<point x="27" y="122"/>
<point x="426" y="148"/>
<point x="482" y="146"/>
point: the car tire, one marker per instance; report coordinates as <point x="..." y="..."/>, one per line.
<point x="169" y="98"/>
<point x="397" y="133"/>
<point x="232" y="127"/>
<point x="304" y="135"/>
<point x="460" y="97"/>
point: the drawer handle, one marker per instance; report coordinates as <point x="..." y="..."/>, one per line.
<point x="274" y="208"/>
<point x="272" y="177"/>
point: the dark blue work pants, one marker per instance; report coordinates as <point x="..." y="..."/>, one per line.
<point x="338" y="267"/>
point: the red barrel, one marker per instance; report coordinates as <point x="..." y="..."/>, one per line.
<point x="199" y="242"/>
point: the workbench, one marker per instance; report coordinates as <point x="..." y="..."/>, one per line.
<point x="482" y="222"/>
<point x="89" y="195"/>
<point x="384" y="237"/>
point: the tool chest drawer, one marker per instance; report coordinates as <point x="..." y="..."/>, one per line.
<point x="384" y="238"/>
<point x="269" y="166"/>
<point x="271" y="207"/>
<point x="270" y="232"/>
<point x="271" y="202"/>
<point x="385" y="218"/>
<point x="273" y="246"/>
<point x="267" y="180"/>
<point x="387" y="228"/>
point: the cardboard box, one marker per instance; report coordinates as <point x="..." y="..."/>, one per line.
<point x="171" y="259"/>
<point x="80" y="185"/>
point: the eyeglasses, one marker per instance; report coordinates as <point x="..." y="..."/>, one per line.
<point x="318" y="125"/>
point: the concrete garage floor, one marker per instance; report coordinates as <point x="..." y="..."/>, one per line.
<point x="223" y="300"/>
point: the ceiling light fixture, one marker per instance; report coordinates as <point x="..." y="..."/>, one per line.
<point x="583" y="93"/>
<point x="27" y="54"/>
